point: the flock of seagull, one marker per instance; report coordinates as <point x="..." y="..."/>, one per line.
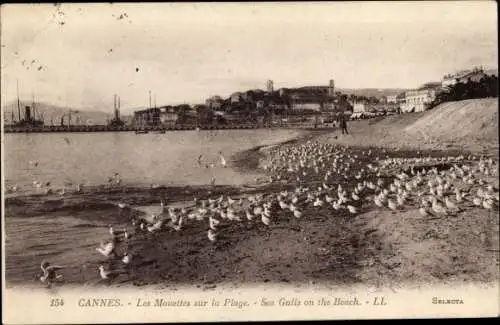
<point x="74" y="187"/>
<point x="340" y="179"/>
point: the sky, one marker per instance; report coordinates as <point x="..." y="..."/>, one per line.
<point x="79" y="55"/>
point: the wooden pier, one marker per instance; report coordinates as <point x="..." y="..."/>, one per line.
<point x="105" y="128"/>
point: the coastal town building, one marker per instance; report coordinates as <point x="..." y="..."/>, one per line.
<point x="392" y="99"/>
<point x="314" y="98"/>
<point x="358" y="107"/>
<point x="155" y="116"/>
<point x="269" y="86"/>
<point x="419" y="100"/>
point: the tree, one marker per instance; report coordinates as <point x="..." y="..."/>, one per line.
<point x="181" y="111"/>
<point x="486" y="87"/>
<point x="204" y="114"/>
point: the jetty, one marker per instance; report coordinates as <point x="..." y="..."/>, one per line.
<point x="9" y="128"/>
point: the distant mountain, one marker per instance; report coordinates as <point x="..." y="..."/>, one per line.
<point x="376" y="92"/>
<point x="490" y="72"/>
<point x="53" y="113"/>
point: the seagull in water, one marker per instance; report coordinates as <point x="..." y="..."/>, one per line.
<point x="49" y="273"/>
<point x="126" y="258"/>
<point x="106" y="249"/>
<point x="106" y="275"/>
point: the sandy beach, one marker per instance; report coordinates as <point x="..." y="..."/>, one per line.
<point x="373" y="247"/>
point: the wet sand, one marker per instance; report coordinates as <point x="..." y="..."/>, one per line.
<point x="320" y="247"/>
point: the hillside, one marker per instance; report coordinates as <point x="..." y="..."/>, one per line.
<point x="469" y="124"/>
<point x="473" y="119"/>
<point x="54" y="113"/>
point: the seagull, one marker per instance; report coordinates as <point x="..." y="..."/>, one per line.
<point x="265" y="219"/>
<point x="50" y="273"/>
<point x="106" y="249"/>
<point x="222" y="160"/>
<point x="391" y="204"/>
<point x="297" y="213"/>
<point x="351" y="209"/>
<point x="438" y="208"/>
<point x="249" y="215"/>
<point x="450" y="205"/>
<point x="126" y="258"/>
<point x="423" y="211"/>
<point x="106" y="275"/>
<point x="212" y="236"/>
<point x="113" y="232"/>
<point x="213" y="223"/>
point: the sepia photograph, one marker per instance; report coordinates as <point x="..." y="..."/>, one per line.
<point x="249" y="161"/>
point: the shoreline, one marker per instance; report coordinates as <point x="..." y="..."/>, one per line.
<point x="250" y="254"/>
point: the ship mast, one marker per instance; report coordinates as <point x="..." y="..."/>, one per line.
<point x="33" y="104"/>
<point x="18" y="103"/>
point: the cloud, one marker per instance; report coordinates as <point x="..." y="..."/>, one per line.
<point x="187" y="52"/>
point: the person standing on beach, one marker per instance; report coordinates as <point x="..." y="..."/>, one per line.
<point x="343" y="123"/>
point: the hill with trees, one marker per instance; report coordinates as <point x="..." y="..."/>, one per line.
<point x="484" y="88"/>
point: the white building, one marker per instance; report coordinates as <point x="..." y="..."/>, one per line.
<point x="359" y="107"/>
<point x="301" y="105"/>
<point x="418" y="100"/>
<point x="392" y="98"/>
<point x="168" y="115"/>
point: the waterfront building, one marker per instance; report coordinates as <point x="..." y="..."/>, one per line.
<point x="155" y="116"/>
<point x="419" y="100"/>
<point x="359" y="107"/>
<point x="392" y="99"/>
<point x="312" y="97"/>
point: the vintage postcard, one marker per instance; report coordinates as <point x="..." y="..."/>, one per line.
<point x="200" y="162"/>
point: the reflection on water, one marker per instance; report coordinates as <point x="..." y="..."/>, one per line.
<point x="170" y="158"/>
<point x="140" y="159"/>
